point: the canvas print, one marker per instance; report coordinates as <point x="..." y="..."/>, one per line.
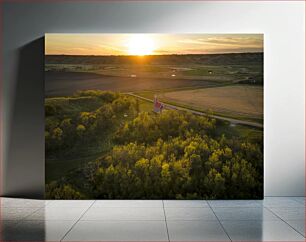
<point x="154" y="116"/>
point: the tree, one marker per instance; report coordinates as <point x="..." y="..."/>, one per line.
<point x="57" y="191"/>
<point x="80" y="129"/>
<point x="151" y="156"/>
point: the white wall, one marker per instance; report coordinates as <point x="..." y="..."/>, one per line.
<point x="283" y="25"/>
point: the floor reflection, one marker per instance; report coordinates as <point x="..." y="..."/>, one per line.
<point x="274" y="219"/>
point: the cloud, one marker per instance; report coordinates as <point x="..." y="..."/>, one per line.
<point x="221" y="50"/>
<point x="233" y="42"/>
<point x="191" y="41"/>
<point x="108" y="47"/>
<point x="236" y="41"/>
<point x="163" y="52"/>
<point x="79" y="49"/>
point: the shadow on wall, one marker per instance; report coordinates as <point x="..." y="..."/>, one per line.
<point x="24" y="170"/>
<point x="31" y="230"/>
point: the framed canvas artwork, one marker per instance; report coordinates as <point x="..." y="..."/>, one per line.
<point x="154" y="116"/>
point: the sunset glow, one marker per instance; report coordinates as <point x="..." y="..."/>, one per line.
<point x="140" y="45"/>
<point x="151" y="44"/>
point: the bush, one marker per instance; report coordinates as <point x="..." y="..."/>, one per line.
<point x="65" y="191"/>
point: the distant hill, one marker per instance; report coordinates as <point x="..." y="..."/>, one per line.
<point x="202" y="59"/>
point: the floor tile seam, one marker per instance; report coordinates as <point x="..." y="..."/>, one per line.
<point x="284" y="206"/>
<point x="300" y="202"/>
<point x="116" y="220"/>
<point x="286" y="223"/>
<point x="214" y="207"/>
<point x="165" y="217"/>
<point x="20" y="221"/>
<point x="220" y="223"/>
<point x="73" y="225"/>
<point x="36" y="210"/>
<point x="126" y="207"/>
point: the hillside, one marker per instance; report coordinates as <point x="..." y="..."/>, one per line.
<point x="207" y="59"/>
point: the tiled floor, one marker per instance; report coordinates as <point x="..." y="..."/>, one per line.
<point x="273" y="219"/>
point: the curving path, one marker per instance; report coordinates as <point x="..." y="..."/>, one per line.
<point x="231" y="120"/>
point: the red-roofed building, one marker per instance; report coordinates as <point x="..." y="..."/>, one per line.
<point x="158" y="106"/>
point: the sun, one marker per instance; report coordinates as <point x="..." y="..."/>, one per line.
<point x="139" y="44"/>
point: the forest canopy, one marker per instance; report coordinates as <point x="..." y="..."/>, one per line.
<point x="145" y="155"/>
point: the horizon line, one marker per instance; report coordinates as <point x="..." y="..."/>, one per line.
<point x="226" y="53"/>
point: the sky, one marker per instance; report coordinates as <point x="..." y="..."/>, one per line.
<point x="151" y="44"/>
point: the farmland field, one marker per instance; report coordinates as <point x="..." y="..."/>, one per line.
<point x="67" y="83"/>
<point x="65" y="75"/>
<point x="217" y="68"/>
<point x="104" y="141"/>
<point x="236" y="100"/>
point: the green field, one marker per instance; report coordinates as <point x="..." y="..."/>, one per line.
<point x="59" y="167"/>
<point x="236" y="101"/>
<point x="102" y="142"/>
<point x="217" y="68"/>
